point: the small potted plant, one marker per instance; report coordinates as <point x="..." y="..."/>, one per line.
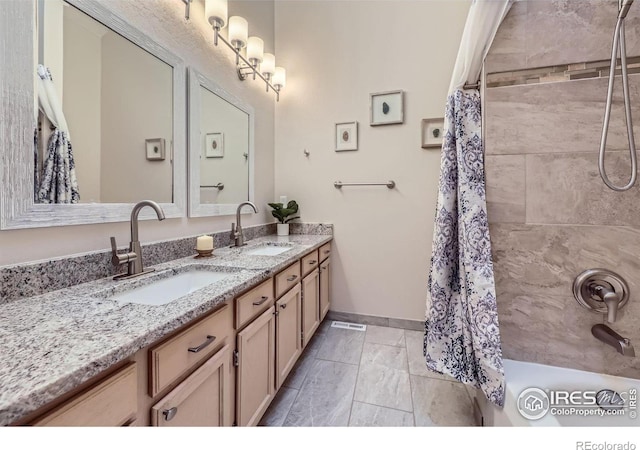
<point x="282" y="213"/>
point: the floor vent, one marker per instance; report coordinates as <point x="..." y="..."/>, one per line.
<point x="348" y="326"/>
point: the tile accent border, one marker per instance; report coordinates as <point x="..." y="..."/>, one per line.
<point x="35" y="278"/>
<point x="565" y="72"/>
<point x="407" y="324"/>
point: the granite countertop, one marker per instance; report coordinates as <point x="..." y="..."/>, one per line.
<point x="54" y="342"/>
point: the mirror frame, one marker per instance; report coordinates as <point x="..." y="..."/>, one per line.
<point x="197" y="209"/>
<point x="18" y="39"/>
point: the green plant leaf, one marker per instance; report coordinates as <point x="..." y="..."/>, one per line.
<point x="278" y="215"/>
<point x="292" y="205"/>
<point x="281" y="213"/>
<point x="291" y="218"/>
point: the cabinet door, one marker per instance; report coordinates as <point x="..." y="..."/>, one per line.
<point x="288" y="342"/>
<point x="200" y="400"/>
<point x="310" y="306"/>
<point x="112" y="402"/>
<point x="325" y="287"/>
<point x="256" y="369"/>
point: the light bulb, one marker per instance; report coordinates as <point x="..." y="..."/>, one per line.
<point x="280" y="78"/>
<point x="255" y="50"/>
<point x="268" y="66"/>
<point x="238" y="31"/>
<point x="216" y="12"/>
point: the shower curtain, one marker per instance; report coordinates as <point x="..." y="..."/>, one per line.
<point x="462" y="336"/>
<point x="58" y="182"/>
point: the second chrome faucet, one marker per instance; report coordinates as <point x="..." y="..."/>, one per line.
<point x="133" y="258"/>
<point x="236" y="229"/>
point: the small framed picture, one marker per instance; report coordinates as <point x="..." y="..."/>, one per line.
<point x="346" y="136"/>
<point x="214" y="145"/>
<point x="432" y="132"/>
<point x="155" y="149"/>
<point x="387" y="108"/>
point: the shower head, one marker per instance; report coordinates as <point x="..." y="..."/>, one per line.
<point x="624" y="9"/>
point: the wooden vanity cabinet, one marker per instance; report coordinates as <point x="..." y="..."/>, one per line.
<point x="310" y="306"/>
<point x="255" y="371"/>
<point x="111" y="402"/>
<point x="179" y="354"/>
<point x="203" y="399"/>
<point x="223" y="368"/>
<point x="309" y="262"/>
<point x="288" y="332"/>
<point x="325" y="287"/>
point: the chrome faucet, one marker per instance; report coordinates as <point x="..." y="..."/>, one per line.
<point x="133" y="258"/>
<point x="608" y="336"/>
<point x="236" y="229"/>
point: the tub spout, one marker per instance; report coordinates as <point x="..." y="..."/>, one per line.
<point x="608" y="336"/>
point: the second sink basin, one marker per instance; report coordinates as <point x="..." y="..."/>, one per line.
<point x="166" y="290"/>
<point x="268" y="250"/>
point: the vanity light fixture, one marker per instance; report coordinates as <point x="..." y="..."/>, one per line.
<point x="255" y="52"/>
<point x="254" y="61"/>
<point x="216" y="12"/>
<point x="279" y="78"/>
<point x="268" y="67"/>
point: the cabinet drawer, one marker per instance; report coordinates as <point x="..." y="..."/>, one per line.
<point x="180" y="353"/>
<point x="325" y="251"/>
<point x="112" y="402"/>
<point x="200" y="400"/>
<point x="286" y="279"/>
<point x="309" y="262"/>
<point x="252" y="303"/>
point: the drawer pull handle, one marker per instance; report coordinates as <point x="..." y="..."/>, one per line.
<point x="263" y="299"/>
<point x="326" y="252"/>
<point x="209" y="341"/>
<point x="292" y="277"/>
<point x="170" y="413"/>
<point x="283" y="306"/>
<point x="313" y="261"/>
<point x="324" y="267"/>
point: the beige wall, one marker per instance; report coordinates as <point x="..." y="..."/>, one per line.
<point x="137" y="102"/>
<point x="164" y="21"/>
<point x="551" y="216"/>
<point x="81" y="101"/>
<point x="336" y="54"/>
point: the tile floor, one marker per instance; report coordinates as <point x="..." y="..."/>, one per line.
<point x="372" y="378"/>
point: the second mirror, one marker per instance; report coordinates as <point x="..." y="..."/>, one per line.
<point x="220" y="149"/>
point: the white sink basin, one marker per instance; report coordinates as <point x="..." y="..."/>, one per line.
<point x="268" y="250"/>
<point x="166" y="290"/>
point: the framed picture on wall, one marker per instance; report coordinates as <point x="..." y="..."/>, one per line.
<point x="155" y="149"/>
<point x="432" y="132"/>
<point x="387" y="108"/>
<point x="214" y="145"/>
<point x="346" y="136"/>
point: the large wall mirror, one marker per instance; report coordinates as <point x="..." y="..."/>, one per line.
<point x="221" y="150"/>
<point x="108" y="104"/>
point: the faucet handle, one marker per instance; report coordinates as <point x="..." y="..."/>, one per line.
<point x="118" y="259"/>
<point x="233" y="230"/>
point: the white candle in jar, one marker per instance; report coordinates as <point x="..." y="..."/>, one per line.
<point x="204" y="243"/>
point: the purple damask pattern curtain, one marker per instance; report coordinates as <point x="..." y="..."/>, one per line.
<point x="462" y="336"/>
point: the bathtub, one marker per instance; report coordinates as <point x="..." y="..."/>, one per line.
<point x="523" y="375"/>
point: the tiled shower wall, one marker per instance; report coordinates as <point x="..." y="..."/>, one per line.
<point x="551" y="216"/>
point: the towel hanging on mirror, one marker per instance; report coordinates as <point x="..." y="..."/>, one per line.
<point x="58" y="181"/>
